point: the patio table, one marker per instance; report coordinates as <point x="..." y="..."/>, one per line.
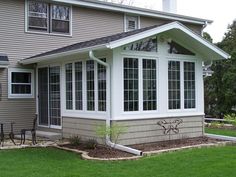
<point x="2" y="135"/>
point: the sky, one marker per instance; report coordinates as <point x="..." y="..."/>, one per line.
<point x="222" y="12"/>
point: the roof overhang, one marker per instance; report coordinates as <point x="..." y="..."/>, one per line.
<point x="181" y="34"/>
<point x="174" y="30"/>
<point x="4" y="62"/>
<point x="135" y="10"/>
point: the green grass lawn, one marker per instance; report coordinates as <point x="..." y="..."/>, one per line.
<point x="49" y="162"/>
<point x="221" y="131"/>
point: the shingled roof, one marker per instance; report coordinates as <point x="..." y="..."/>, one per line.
<point x="93" y="42"/>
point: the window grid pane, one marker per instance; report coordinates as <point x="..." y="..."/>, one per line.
<point x="131" y="84"/>
<point x="69" y="94"/>
<point x="78" y="86"/>
<point x="21" y="83"/>
<point x="90" y="85"/>
<point x="38" y="15"/>
<point x="54" y="96"/>
<point x="149" y="85"/>
<point x="189" y="85"/>
<point x="101" y="87"/>
<point x="174" y="85"/>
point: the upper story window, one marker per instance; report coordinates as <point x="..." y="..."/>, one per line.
<point x="175" y="48"/>
<point x="145" y="45"/>
<point x="131" y="22"/>
<point x="48" y="18"/>
<point x="20" y="83"/>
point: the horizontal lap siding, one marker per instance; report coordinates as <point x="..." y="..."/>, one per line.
<point x="147" y="21"/>
<point x="84" y="128"/>
<point x="17" y="45"/>
<point x="145" y="131"/>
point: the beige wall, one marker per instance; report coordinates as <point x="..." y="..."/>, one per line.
<point x="137" y="131"/>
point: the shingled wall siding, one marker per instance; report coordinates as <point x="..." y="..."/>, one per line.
<point x="138" y="131"/>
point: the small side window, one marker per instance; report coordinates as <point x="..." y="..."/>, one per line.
<point x="20" y="83"/>
<point x="131" y="23"/>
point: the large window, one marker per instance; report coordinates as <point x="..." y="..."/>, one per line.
<point x="86" y="86"/>
<point x="69" y="93"/>
<point x="101" y="87"/>
<point x="131" y="84"/>
<point x="50" y="18"/>
<point x="149" y="85"/>
<point x="188" y="90"/>
<point x="38" y="15"/>
<point x="20" y="83"/>
<point x="79" y="85"/>
<point x="145" y="45"/>
<point x="174" y="84"/>
<point x="90" y="85"/>
<point x="140" y="92"/>
<point x="189" y="85"/>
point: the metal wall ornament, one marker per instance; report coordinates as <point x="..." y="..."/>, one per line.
<point x="170" y="126"/>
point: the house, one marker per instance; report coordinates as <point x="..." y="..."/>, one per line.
<point x="82" y="63"/>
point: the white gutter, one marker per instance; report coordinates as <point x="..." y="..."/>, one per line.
<point x="59" y="55"/>
<point x="108" y="120"/>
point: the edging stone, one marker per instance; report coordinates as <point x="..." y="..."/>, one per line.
<point x="85" y="155"/>
<point x="218" y="144"/>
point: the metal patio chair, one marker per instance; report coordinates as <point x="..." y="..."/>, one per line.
<point x="33" y="132"/>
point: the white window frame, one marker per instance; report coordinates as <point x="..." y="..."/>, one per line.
<point x="140" y="88"/>
<point x="126" y="16"/>
<point x="182" y="60"/>
<point x="84" y="113"/>
<point x="48" y="32"/>
<point x="19" y="70"/>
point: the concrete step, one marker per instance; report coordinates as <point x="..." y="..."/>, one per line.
<point x="43" y="135"/>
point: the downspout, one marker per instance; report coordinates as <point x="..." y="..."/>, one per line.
<point x="108" y="119"/>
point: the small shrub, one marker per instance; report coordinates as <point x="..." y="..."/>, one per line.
<point x="91" y="144"/>
<point x="114" y="132"/>
<point x="231" y="118"/>
<point x="216" y="124"/>
<point x="75" y="140"/>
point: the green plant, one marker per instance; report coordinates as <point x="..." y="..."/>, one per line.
<point x="231" y="118"/>
<point x="75" y="140"/>
<point x="114" y="132"/>
<point x="216" y="124"/>
<point x="91" y="144"/>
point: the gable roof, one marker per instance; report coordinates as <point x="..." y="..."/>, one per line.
<point x="3" y="60"/>
<point x="108" y="6"/>
<point x="175" y="30"/>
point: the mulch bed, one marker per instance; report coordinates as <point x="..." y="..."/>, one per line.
<point x="105" y="152"/>
<point x="175" y="143"/>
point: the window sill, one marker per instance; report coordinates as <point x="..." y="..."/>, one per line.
<point x="49" y="34"/>
<point x="20" y="97"/>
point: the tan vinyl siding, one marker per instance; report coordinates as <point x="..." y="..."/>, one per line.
<point x="84" y="128"/>
<point x="137" y="131"/>
<point x="87" y="24"/>
<point x="20" y="111"/>
<point x="147" y="21"/>
<point x="146" y="131"/>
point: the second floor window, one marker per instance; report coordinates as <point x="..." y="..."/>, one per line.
<point x="49" y="18"/>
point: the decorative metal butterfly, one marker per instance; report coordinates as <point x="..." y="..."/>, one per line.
<point x="170" y="126"/>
